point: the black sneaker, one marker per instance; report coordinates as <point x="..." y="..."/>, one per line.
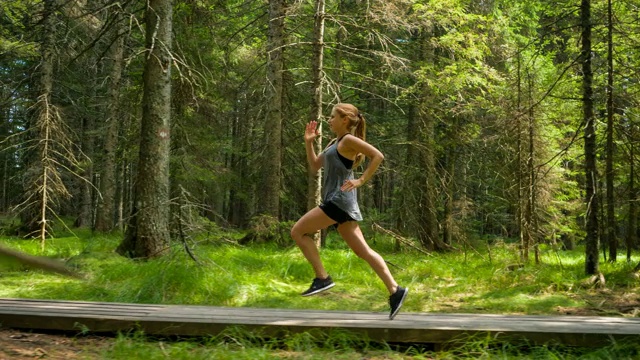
<point x="319" y="285"/>
<point x="396" y="300"/>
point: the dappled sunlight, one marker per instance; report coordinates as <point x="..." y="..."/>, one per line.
<point x="274" y="277"/>
<point x="41" y="286"/>
<point x="242" y="294"/>
<point x="525" y="303"/>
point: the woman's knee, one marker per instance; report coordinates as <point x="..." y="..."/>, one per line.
<point x="298" y="233"/>
<point x="295" y="232"/>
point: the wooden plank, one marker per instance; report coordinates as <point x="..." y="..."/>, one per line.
<point x="488" y="321"/>
<point x="195" y="310"/>
<point x="407" y="327"/>
<point x="76" y="304"/>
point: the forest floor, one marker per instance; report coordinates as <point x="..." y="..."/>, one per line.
<point x="21" y="345"/>
<point x="270" y="276"/>
<point x="606" y="303"/>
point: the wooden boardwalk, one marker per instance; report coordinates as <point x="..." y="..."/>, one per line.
<point x="100" y="317"/>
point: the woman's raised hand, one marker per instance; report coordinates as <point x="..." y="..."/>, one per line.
<point x="312" y="131"/>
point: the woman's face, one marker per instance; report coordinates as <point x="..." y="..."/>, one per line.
<point x="334" y="120"/>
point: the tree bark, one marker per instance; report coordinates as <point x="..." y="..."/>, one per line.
<point x="592" y="228"/>
<point x="405" y="199"/>
<point x="147" y="234"/>
<point x="85" y="181"/>
<point x="521" y="220"/>
<point x="31" y="217"/>
<point x="530" y="219"/>
<point x="87" y="143"/>
<point x="426" y="128"/>
<point x="632" y="229"/>
<point x="314" y="180"/>
<point x="105" y="216"/>
<point x="272" y="163"/>
<point x="238" y="194"/>
<point x="449" y="176"/>
<point x="427" y="218"/>
<point x="611" y="221"/>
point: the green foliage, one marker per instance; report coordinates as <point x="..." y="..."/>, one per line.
<point x="478" y="67"/>
<point x="12" y="26"/>
<point x="483" y="63"/>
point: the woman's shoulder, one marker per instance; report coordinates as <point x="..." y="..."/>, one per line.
<point x="350" y="139"/>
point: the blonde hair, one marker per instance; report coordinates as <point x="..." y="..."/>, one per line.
<point x="357" y="125"/>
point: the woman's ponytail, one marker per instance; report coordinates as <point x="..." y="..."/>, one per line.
<point x="357" y="125"/>
<point x="360" y="131"/>
<point x="361" y="128"/>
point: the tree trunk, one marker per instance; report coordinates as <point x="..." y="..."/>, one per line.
<point x="448" y="226"/>
<point x="632" y="231"/>
<point x="610" y="221"/>
<point x="530" y="220"/>
<point x="451" y="149"/>
<point x="5" y="181"/>
<point x="405" y="200"/>
<point x="428" y="221"/>
<point x="87" y="142"/>
<point x="124" y="190"/>
<point x="521" y="210"/>
<point x="239" y="192"/>
<point x="148" y="231"/>
<point x="33" y="216"/>
<point x="420" y="209"/>
<point x="591" y="240"/>
<point x="272" y="163"/>
<point x="86" y="180"/>
<point x="105" y="215"/>
<point x="314" y="180"/>
<point x="427" y="218"/>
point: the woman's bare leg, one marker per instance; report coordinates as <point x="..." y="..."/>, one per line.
<point x="310" y="223"/>
<point x="352" y="235"/>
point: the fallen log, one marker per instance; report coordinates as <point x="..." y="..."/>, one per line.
<point x="39" y="262"/>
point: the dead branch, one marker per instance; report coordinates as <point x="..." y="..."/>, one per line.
<point x="403" y="240"/>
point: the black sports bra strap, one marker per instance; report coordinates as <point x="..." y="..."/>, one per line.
<point x="348" y="163"/>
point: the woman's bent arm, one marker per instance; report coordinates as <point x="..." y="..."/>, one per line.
<point x="310" y="134"/>
<point x="356" y="145"/>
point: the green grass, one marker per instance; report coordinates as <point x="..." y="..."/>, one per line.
<point x="236" y="344"/>
<point x="478" y="281"/>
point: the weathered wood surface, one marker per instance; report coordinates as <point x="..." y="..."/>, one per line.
<point x="99" y="317"/>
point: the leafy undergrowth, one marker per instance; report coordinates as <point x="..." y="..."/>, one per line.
<point x="480" y="280"/>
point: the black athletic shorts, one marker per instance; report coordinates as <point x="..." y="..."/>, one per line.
<point x="335" y="213"/>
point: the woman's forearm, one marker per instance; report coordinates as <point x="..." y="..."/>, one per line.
<point x="374" y="163"/>
<point x="312" y="158"/>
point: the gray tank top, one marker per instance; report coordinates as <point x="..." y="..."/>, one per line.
<point x="334" y="175"/>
